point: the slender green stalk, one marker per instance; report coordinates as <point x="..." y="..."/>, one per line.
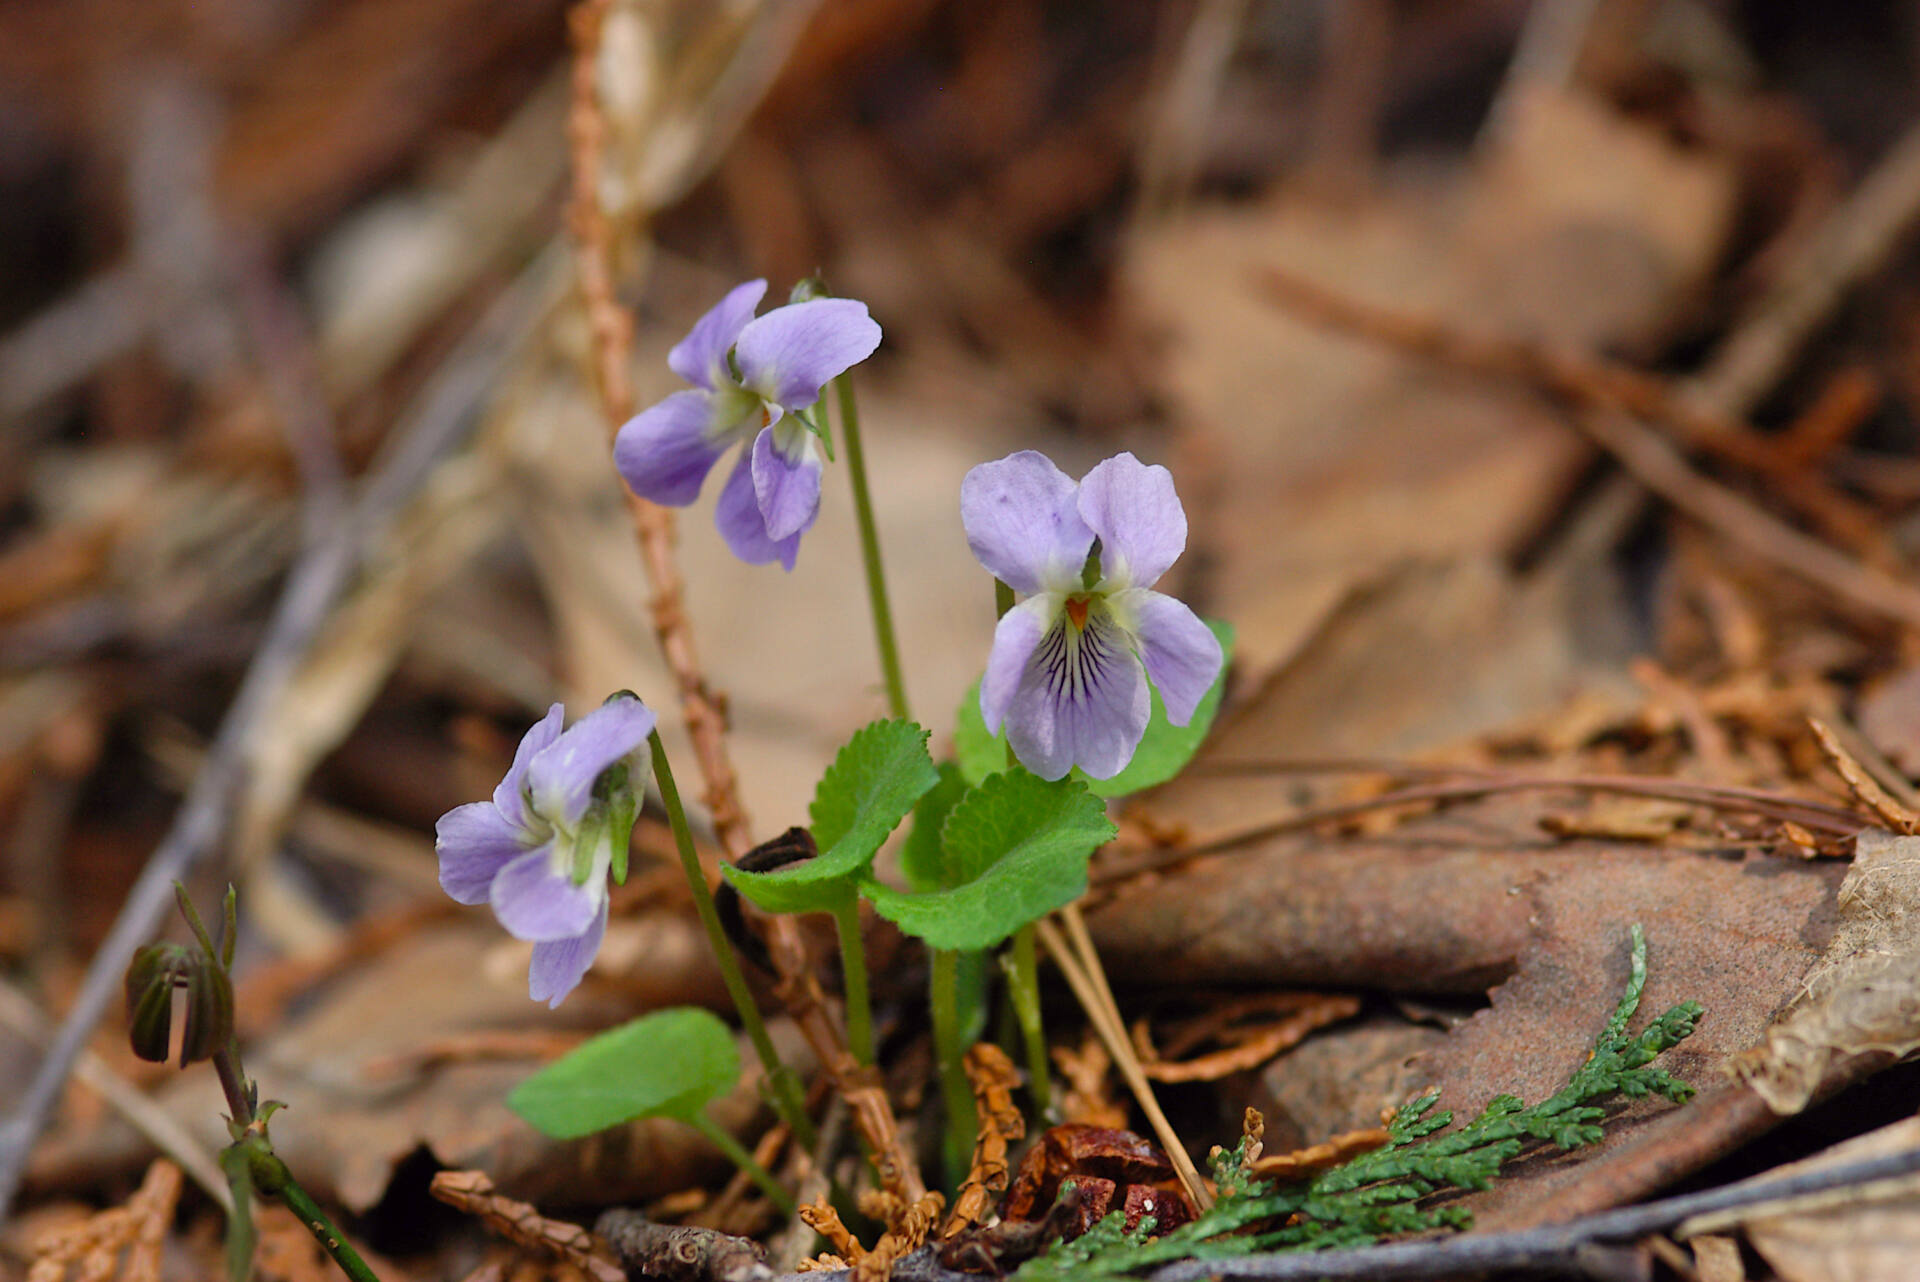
<point x="1023" y="982"/>
<point x="853" y="962"/>
<point x="738" y="1155"/>
<point x="870" y="549"/>
<point x="947" y="1048"/>
<point x="330" y="1238"/>
<point x="1021" y="962"/>
<point x="785" y="1091"/>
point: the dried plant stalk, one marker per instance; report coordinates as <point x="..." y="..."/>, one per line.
<point x="704" y="711"/>
<point x="993" y="1078"/>
<point x="519" y="1223"/>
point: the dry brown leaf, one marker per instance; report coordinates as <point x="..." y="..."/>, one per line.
<point x="1334" y="460"/>
<point x="1863" y="994"/>
<point x="1869" y="1233"/>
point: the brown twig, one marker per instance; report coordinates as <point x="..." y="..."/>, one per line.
<point x="704" y="711"/>
<point x="519" y="1223"/>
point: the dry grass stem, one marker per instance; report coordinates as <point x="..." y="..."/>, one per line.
<point x="1098" y="1003"/>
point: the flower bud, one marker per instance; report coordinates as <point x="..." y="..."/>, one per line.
<point x="152" y="976"/>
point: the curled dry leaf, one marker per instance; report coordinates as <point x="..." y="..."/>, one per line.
<point x="1114" y="1171"/>
<point x="1863" y="994"/>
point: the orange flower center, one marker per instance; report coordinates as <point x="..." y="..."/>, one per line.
<point x="1077" y="611"/>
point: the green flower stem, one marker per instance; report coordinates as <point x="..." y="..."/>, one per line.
<point x="330" y="1238"/>
<point x="853" y="961"/>
<point x="737" y="1154"/>
<point x="957" y="1094"/>
<point x="785" y="1091"/>
<point x="1020" y="960"/>
<point x="1023" y="982"/>
<point x="870" y="549"/>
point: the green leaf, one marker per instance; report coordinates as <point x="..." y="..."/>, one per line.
<point x="667" y="1064"/>
<point x="920" y="860"/>
<point x="1162" y="754"/>
<point x="864" y="795"/>
<point x="1013" y="850"/>
<point x="1167" y="748"/>
<point x="980" y="753"/>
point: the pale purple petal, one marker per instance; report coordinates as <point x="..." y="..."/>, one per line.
<point x="474" y="843"/>
<point x="1014" y="639"/>
<point x="535" y="901"/>
<point x="561" y="777"/>
<point x="665" y="452"/>
<point x="1080" y="704"/>
<point x="787" y="489"/>
<point x="701" y="357"/>
<point x="1181" y="653"/>
<point x="742" y="525"/>
<point x="1133" y="508"/>
<point x="511" y="795"/>
<point x="1022" y="523"/>
<point x="560" y="964"/>
<point x="792" y="352"/>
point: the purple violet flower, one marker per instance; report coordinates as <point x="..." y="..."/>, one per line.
<point x="539" y="852"/>
<point x="749" y="377"/>
<point x="1068" y="672"/>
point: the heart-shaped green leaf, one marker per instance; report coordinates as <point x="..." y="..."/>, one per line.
<point x="866" y="792"/>
<point x="1012" y="850"/>
<point x="920" y="860"/>
<point x="1162" y="754"/>
<point x="667" y="1064"/>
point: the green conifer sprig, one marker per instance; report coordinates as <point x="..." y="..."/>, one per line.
<point x="1378" y="1194"/>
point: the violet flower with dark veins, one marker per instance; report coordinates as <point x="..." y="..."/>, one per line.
<point x="750" y="376"/>
<point x="1068" y="672"/>
<point x="540" y="851"/>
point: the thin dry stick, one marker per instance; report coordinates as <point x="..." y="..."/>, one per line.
<point x="704" y="712"/>
<point x="1875" y="798"/>
<point x="1660" y="467"/>
<point x="1106" y="1022"/>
